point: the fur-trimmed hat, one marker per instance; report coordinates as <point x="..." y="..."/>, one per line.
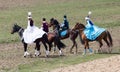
<point x="29" y="15"/>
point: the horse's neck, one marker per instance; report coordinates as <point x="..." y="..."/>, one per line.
<point x="20" y="32"/>
<point x="80" y="32"/>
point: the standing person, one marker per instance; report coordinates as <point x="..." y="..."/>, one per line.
<point x="45" y="25"/>
<point x="32" y="32"/>
<point x="65" y="24"/>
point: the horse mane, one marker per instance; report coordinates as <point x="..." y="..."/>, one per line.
<point x="82" y="25"/>
<point x="56" y="22"/>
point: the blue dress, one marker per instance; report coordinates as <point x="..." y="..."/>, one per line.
<point x="91" y="31"/>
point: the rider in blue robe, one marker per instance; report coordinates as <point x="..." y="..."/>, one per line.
<point x="92" y="31"/>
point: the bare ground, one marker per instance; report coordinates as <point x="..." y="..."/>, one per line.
<point x="111" y="64"/>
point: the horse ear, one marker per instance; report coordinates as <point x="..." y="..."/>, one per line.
<point x="15" y="23"/>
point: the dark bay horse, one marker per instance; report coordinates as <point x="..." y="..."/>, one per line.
<point x="44" y="39"/>
<point x="72" y="34"/>
<point x="105" y="35"/>
<point x="53" y="38"/>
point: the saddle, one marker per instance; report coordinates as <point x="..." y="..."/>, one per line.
<point x="63" y="33"/>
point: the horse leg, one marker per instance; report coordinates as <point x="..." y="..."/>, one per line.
<point x="54" y="47"/>
<point x="45" y="40"/>
<point x="59" y="48"/>
<point x="90" y="49"/>
<point x="76" y="47"/>
<point x="37" y="51"/>
<point x="108" y="44"/>
<point x="105" y="39"/>
<point x="25" y="50"/>
<point x="72" y="46"/>
<point x="85" y="50"/>
<point x="100" y="45"/>
<point x="47" y="51"/>
<point x="60" y="51"/>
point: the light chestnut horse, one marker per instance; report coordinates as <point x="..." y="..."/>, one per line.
<point x="105" y="35"/>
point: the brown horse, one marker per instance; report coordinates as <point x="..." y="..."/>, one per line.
<point x="72" y="34"/>
<point x="105" y="35"/>
<point x="53" y="38"/>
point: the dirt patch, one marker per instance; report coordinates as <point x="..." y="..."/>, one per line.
<point x="111" y="64"/>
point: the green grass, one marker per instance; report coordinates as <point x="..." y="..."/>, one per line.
<point x="44" y="65"/>
<point x="105" y="14"/>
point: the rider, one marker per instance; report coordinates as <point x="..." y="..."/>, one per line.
<point x="32" y="32"/>
<point x="45" y="25"/>
<point x="89" y="29"/>
<point x="65" y="24"/>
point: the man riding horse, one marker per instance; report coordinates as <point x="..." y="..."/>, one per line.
<point x="65" y="24"/>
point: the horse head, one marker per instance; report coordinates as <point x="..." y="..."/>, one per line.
<point x="54" y="23"/>
<point x="15" y="28"/>
<point x="79" y="26"/>
<point x="51" y="22"/>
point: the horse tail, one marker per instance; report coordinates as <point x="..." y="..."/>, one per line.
<point x="59" y="43"/>
<point x="110" y="38"/>
<point x="80" y="38"/>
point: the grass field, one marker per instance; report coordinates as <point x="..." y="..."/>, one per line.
<point x="105" y="13"/>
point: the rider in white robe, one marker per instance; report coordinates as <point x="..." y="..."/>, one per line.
<point x="32" y="32"/>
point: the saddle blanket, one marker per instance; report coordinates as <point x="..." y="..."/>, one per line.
<point x="93" y="32"/>
<point x="63" y="33"/>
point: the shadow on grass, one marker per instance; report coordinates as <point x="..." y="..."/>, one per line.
<point x="43" y="56"/>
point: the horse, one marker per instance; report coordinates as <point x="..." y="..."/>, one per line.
<point x="105" y="35"/>
<point x="53" y="38"/>
<point x="72" y="34"/>
<point x="43" y="39"/>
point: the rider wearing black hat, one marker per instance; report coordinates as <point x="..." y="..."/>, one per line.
<point x="65" y="24"/>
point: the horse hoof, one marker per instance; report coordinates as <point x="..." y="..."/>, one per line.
<point x="46" y="56"/>
<point x="91" y="53"/>
<point x="61" y="55"/>
<point x="24" y="56"/>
